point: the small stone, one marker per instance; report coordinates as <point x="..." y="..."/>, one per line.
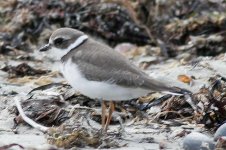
<point x="221" y="131"/>
<point x="197" y="141"/>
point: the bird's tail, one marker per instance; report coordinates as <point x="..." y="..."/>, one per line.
<point x="177" y="91"/>
<point x="159" y="86"/>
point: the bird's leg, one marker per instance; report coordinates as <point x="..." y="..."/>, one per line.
<point x="111" y="110"/>
<point x="103" y="114"/>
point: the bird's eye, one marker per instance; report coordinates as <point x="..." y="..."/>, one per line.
<point x="58" y="41"/>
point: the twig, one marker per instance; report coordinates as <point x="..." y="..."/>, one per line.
<point x="10" y="146"/>
<point x="165" y="112"/>
<point x="28" y="120"/>
<point x="188" y="99"/>
<point x="77" y="106"/>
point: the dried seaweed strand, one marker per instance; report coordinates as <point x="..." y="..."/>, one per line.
<point x="27" y="119"/>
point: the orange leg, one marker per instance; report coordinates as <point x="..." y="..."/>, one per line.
<point x="111" y="110"/>
<point x="103" y="107"/>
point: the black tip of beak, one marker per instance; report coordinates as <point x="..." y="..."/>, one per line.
<point x="44" y="48"/>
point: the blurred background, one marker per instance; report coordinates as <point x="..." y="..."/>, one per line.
<point x="173" y="27"/>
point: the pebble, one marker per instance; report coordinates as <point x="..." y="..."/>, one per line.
<point x="197" y="141"/>
<point x="221" y="131"/>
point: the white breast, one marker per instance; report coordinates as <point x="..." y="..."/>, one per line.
<point x="95" y="89"/>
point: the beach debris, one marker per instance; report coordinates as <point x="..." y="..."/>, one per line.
<point x="184" y="78"/>
<point x="221" y="143"/>
<point x="5" y="147"/>
<point x="70" y="134"/>
<point x="27" y="119"/>
<point x="22" y="70"/>
<point x="74" y="137"/>
<point x="46" y="111"/>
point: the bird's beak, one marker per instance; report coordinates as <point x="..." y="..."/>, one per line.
<point x="45" y="48"/>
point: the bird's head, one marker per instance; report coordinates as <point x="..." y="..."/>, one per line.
<point x="62" y="41"/>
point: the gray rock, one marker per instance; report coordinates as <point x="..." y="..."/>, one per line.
<point x="221" y="131"/>
<point x="198" y="141"/>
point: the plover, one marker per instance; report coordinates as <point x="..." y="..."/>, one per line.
<point x="99" y="72"/>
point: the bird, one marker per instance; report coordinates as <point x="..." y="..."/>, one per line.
<point x="98" y="71"/>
